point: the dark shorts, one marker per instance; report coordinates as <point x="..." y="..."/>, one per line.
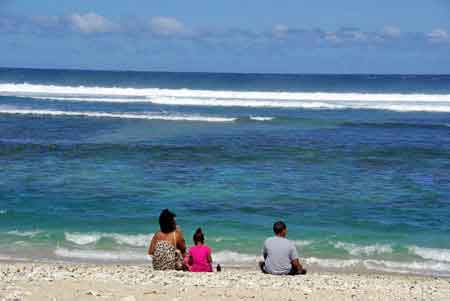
<point x="294" y="271"/>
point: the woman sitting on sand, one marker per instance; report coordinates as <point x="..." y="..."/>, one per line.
<point x="199" y="256"/>
<point x="167" y="247"/>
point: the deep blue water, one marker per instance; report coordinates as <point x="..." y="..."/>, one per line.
<point x="357" y="165"/>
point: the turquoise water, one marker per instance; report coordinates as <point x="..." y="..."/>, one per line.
<point x="357" y="166"/>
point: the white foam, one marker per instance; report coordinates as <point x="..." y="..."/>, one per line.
<point x="357" y="250"/>
<point x="431" y="253"/>
<point x="100" y="255"/>
<point x="114" y="115"/>
<point x="4" y="257"/>
<point x="423" y="268"/>
<point x="24" y="89"/>
<point x="303" y="243"/>
<point x="304" y="104"/>
<point x="400" y="107"/>
<point x="234" y="258"/>
<point x="260" y="118"/>
<point x="231" y="257"/>
<point x="21" y="243"/>
<point x="332" y="263"/>
<point x="222" y="257"/>
<point x="12" y="258"/>
<point x="223" y="238"/>
<point x="173" y="101"/>
<point x="138" y="240"/>
<point x="411" y="267"/>
<point x="24" y="233"/>
<point x="245" y="103"/>
<point x="91" y="99"/>
<point x="405" y="107"/>
<point x="187" y="97"/>
<point x="82" y="239"/>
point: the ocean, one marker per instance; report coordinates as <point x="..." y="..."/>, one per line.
<point x="356" y="165"/>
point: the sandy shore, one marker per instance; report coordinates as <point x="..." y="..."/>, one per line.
<point x="52" y="281"/>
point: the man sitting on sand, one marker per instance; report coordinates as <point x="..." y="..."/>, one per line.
<point x="280" y="254"/>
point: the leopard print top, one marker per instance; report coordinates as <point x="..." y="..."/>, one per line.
<point x="166" y="256"/>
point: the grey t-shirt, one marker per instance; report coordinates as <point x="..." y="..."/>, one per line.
<point x="280" y="253"/>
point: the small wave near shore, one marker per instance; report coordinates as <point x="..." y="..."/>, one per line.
<point x="119" y="247"/>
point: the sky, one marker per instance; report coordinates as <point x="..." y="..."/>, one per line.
<point x="264" y="36"/>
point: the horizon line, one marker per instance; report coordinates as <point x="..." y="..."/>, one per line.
<point x="219" y="72"/>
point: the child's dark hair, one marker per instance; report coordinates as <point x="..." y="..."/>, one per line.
<point x="198" y="236"/>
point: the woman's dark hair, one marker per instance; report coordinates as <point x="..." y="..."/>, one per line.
<point x="198" y="236"/>
<point x="167" y="222"/>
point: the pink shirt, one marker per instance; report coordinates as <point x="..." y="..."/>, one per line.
<point x="199" y="255"/>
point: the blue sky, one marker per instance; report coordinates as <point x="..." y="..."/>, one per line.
<point x="286" y="36"/>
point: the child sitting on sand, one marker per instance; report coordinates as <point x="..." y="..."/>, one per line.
<point x="199" y="256"/>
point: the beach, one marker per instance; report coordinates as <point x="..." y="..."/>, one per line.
<point x="70" y="281"/>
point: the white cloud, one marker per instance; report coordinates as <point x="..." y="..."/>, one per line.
<point x="280" y="31"/>
<point x="359" y="36"/>
<point x="391" y="32"/>
<point x="333" y="38"/>
<point x="91" y="23"/>
<point x="439" y="35"/>
<point x="351" y="35"/>
<point x="167" y="26"/>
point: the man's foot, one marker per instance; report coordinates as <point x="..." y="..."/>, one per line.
<point x="295" y="271"/>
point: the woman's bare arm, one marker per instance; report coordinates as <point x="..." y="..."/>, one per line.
<point x="181" y="243"/>
<point x="151" y="248"/>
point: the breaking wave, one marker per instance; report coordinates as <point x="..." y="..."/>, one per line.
<point x="232" y="257"/>
<point x="303" y="243"/>
<point x="260" y="118"/>
<point x="100" y="255"/>
<point x="192" y="118"/>
<point x="139" y="240"/>
<point x="332" y="263"/>
<point x="24" y="233"/>
<point x="414" y="267"/>
<point x="189" y="97"/>
<point x="407" y="267"/>
<point x="431" y="253"/>
<point x="357" y="250"/>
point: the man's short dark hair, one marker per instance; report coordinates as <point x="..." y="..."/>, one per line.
<point x="278" y="227"/>
<point x="167" y="222"/>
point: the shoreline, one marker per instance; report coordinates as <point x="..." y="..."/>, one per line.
<point x="127" y="282"/>
<point x="309" y="262"/>
<point x="312" y="269"/>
